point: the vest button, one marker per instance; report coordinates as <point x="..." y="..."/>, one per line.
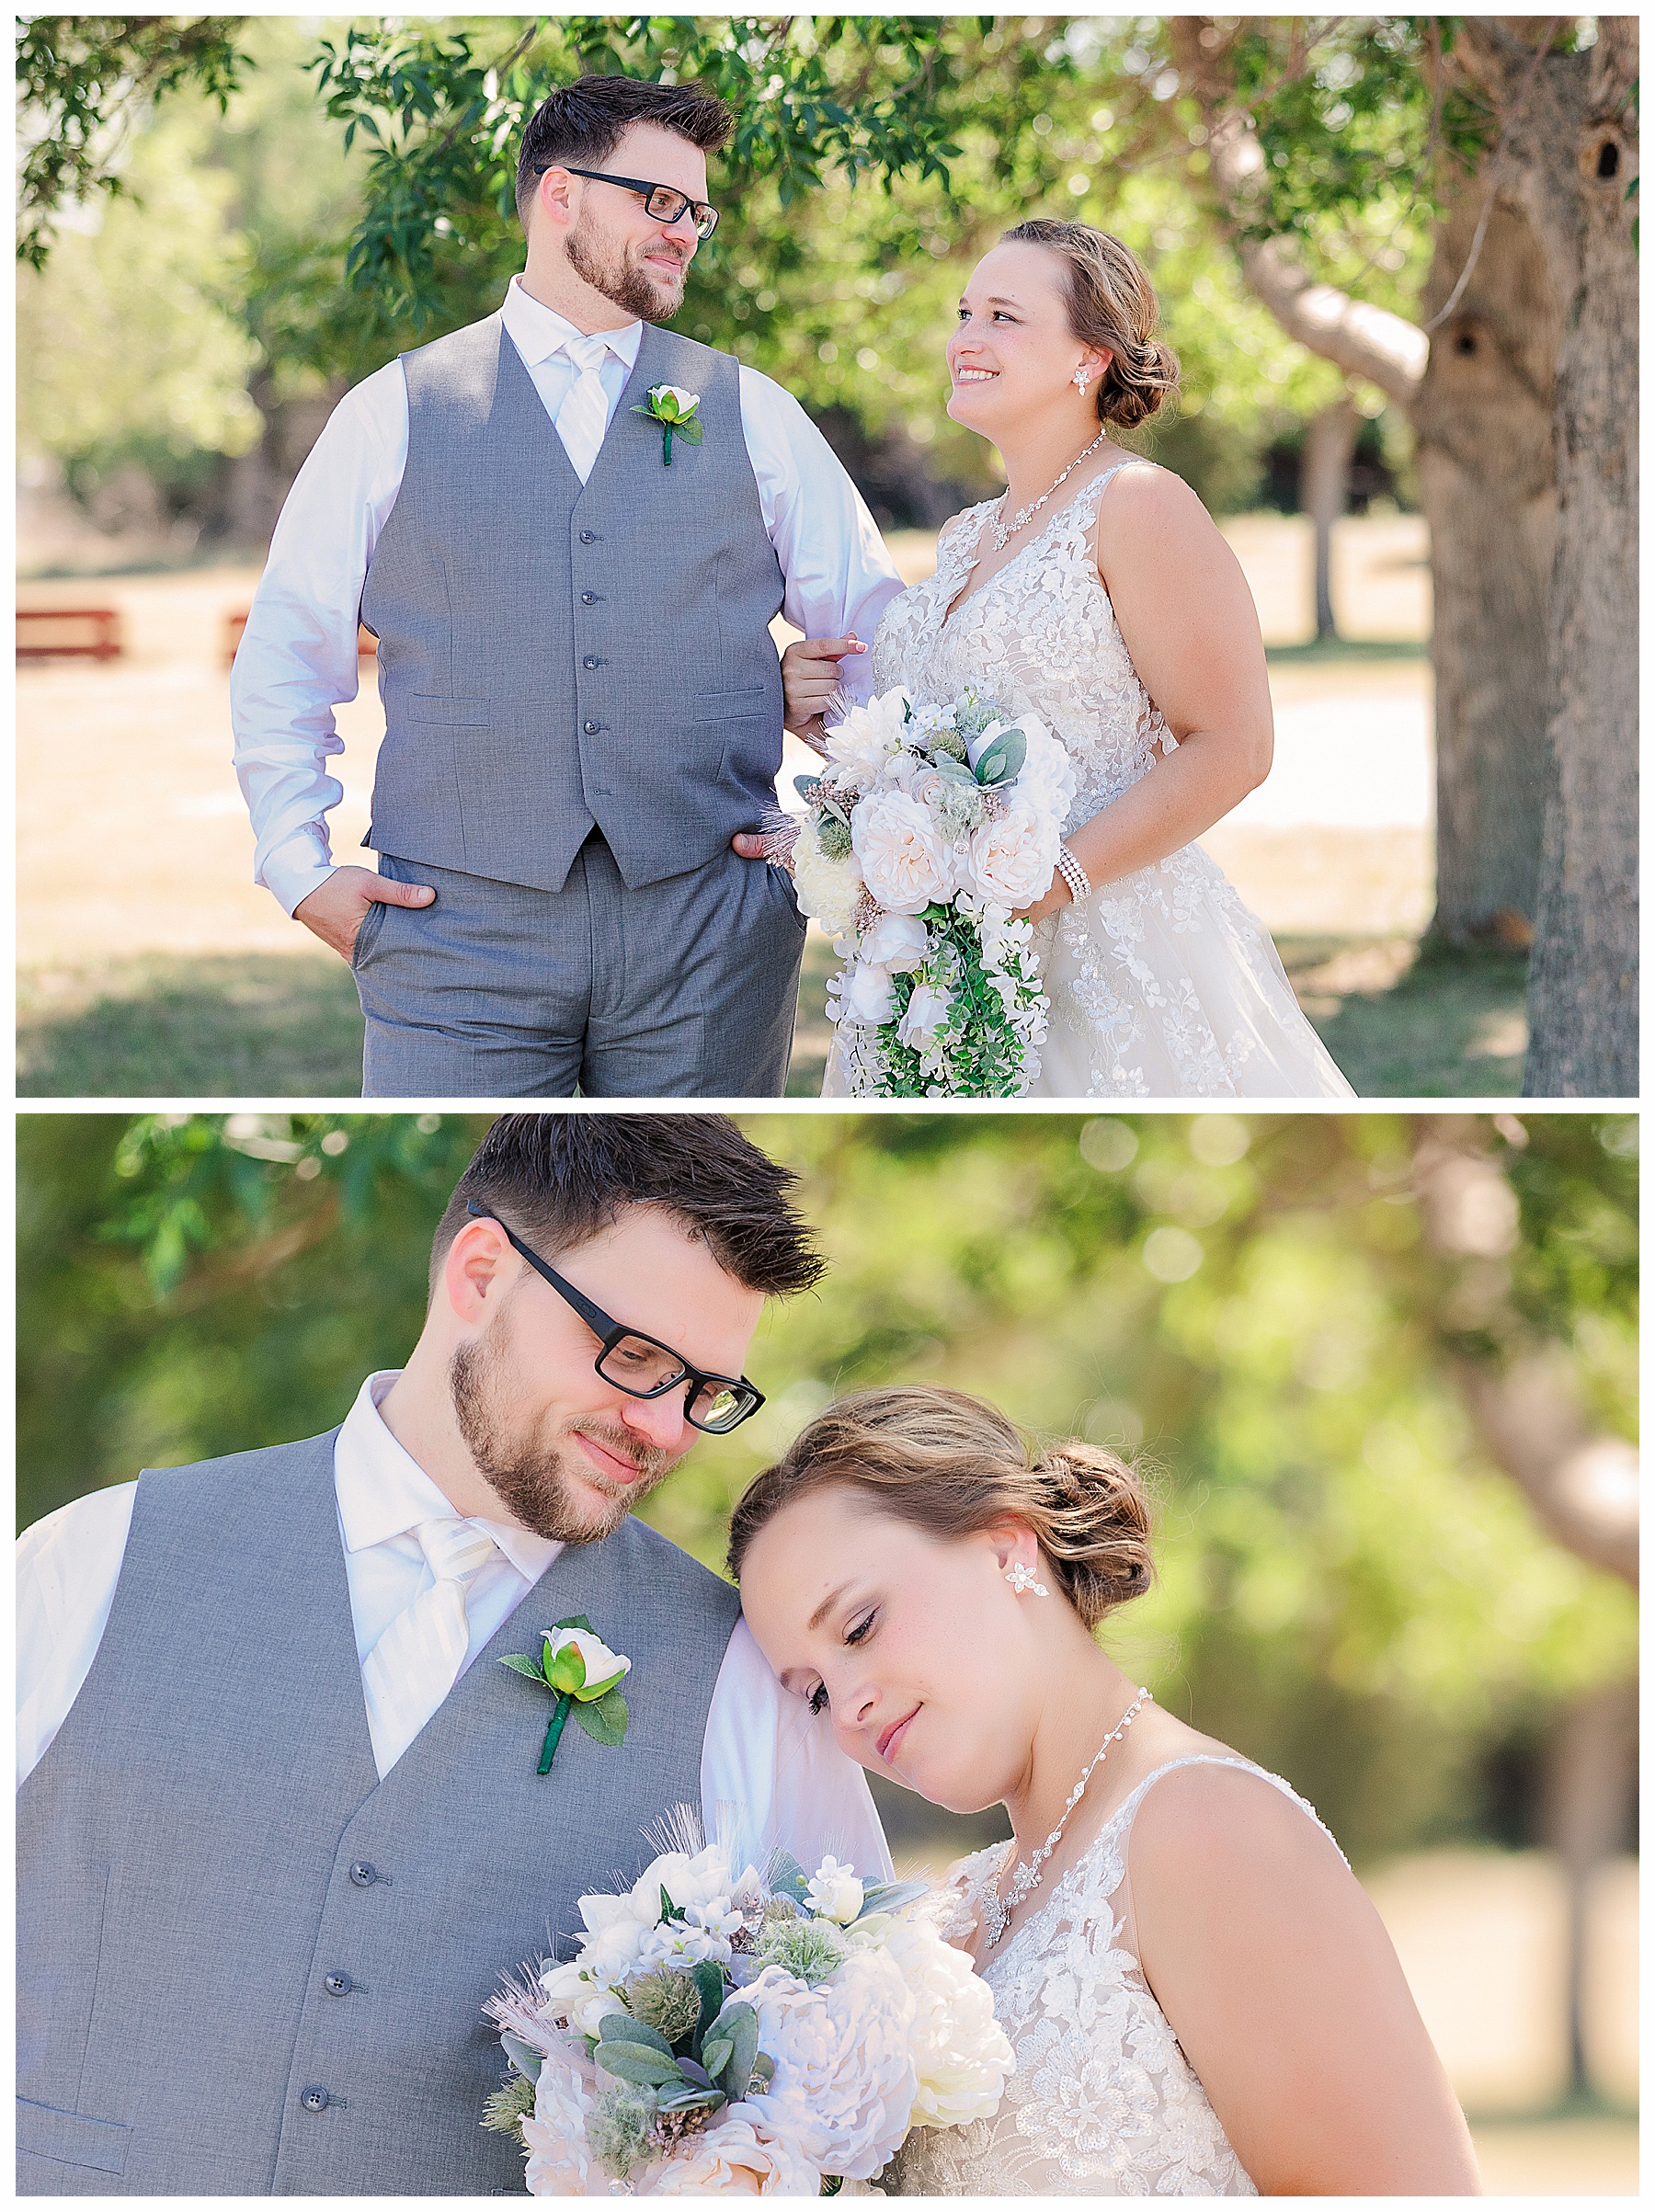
<point x="588" y="599"/>
<point x="338" y="1984"/>
<point x="590" y="661"/>
<point x="364" y="1873"/>
<point x="315" y="2100"/>
<point x="591" y="728"/>
<point x="589" y="537"/>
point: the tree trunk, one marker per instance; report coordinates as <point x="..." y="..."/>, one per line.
<point x="1482" y="415"/>
<point x="1591" y="1783"/>
<point x="1479" y="392"/>
<point x="1574" y="153"/>
<point x="1324" y="489"/>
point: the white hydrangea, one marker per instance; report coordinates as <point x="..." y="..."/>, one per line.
<point x="560" y="2160"/>
<point x="826" y="890"/>
<point x="845" y="2079"/>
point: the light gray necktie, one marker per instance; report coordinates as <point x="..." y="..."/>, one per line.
<point x="583" y="415"/>
<point x="417" y="1661"/>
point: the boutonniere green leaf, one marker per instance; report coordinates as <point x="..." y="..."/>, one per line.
<point x="584" y="1676"/>
<point x="675" y="410"/>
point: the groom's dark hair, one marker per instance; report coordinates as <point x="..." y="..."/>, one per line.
<point x="558" y="1179"/>
<point x="583" y="121"/>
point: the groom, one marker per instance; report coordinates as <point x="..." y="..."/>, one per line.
<point x="280" y="1827"/>
<point x="582" y="696"/>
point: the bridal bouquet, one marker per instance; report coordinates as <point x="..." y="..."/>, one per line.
<point x="927" y="828"/>
<point x="759" y="2036"/>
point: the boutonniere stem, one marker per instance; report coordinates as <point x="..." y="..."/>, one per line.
<point x="675" y="410"/>
<point x="584" y="1676"/>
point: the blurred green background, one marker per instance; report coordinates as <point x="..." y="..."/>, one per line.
<point x="1382" y="1368"/>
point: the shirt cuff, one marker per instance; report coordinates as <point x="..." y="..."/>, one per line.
<point x="296" y="868"/>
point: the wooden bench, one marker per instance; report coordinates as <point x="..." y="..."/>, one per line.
<point x="367" y="645"/>
<point x="68" y="634"/>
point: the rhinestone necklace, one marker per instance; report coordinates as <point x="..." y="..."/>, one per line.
<point x="1003" y="531"/>
<point x="997" y="1910"/>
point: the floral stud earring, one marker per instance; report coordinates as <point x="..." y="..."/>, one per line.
<point x="1080" y="380"/>
<point x="1022" y="1577"/>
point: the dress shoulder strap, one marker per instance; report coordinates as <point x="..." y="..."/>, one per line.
<point x="1126" y="1811"/>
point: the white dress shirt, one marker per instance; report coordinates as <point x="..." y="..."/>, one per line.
<point x="298" y="654"/>
<point x="769" y="1764"/>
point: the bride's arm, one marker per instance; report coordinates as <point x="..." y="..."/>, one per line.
<point x="1189" y="622"/>
<point x="1281" y="1985"/>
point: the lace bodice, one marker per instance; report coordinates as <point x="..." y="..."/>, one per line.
<point x="1040" y="636"/>
<point x="1103" y="2102"/>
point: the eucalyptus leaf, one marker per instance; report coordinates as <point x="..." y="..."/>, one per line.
<point x="621" y="2027"/>
<point x="1003" y="759"/>
<point x="742" y="2022"/>
<point x="890" y="1897"/>
<point x="636" y="2062"/>
<point x="523" y="2056"/>
<point x="691" y="2072"/>
<point x="691" y="2099"/>
<point x="715" y="2057"/>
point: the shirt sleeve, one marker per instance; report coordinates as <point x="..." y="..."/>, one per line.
<point x="773" y="1777"/>
<point x="298" y="654"/>
<point x="68" y="1565"/>
<point x="837" y="574"/>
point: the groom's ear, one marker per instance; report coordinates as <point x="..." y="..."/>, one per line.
<point x="554" y="198"/>
<point x="480" y="1263"/>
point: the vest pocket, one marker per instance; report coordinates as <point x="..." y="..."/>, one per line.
<point x="730" y="706"/>
<point x="450" y="713"/>
<point x="72" y="2138"/>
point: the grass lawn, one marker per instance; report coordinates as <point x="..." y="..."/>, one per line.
<point x="1399" y="1022"/>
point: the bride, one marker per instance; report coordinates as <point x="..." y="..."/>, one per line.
<point x="1201" y="1999"/>
<point x="1097" y="593"/>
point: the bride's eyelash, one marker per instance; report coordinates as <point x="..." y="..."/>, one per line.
<point x="817" y="1700"/>
<point x="855" y="1636"/>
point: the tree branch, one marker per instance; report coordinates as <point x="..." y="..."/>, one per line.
<point x="1583" y="1486"/>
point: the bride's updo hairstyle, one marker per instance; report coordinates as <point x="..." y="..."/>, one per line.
<point x="1112" y="305"/>
<point x="950" y="1465"/>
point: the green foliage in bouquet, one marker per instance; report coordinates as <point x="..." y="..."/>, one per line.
<point x="985" y="1055"/>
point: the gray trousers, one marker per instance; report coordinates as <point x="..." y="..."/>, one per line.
<point x="685" y="989"/>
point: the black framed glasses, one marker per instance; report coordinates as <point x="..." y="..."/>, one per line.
<point x="642" y="1367"/>
<point x="662" y="203"/>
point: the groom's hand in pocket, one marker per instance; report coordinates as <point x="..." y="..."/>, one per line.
<point x="335" y="909"/>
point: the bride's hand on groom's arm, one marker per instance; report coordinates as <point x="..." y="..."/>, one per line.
<point x="810" y="683"/>
<point x="335" y="909"/>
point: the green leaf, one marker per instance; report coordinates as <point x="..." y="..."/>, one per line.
<point x="597" y="1724"/>
<point x="523" y="2056"/>
<point x="788" y="1878"/>
<point x="689" y="2098"/>
<point x="520" y="1665"/>
<point x="716" y="2056"/>
<point x="739" y="2024"/>
<point x="1003" y="759"/>
<point x="621" y="2027"/>
<point x="688" y="428"/>
<point x="708" y="1978"/>
<point x="638" y="2063"/>
<point x="576" y="1620"/>
<point x="890" y="1897"/>
<point x="669" y="1910"/>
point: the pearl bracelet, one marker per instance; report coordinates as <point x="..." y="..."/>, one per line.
<point x="1073" y="874"/>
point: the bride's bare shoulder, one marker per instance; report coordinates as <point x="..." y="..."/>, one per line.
<point x="1221" y="1819"/>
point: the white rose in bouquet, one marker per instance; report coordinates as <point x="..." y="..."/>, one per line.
<point x="906" y="862"/>
<point x="867" y="995"/>
<point x="735" y="2157"/>
<point x="845" y="2079"/>
<point x="836" y="1892"/>
<point x="927" y="1011"/>
<point x="896" y="943"/>
<point x="826" y="890"/>
<point x="1047" y="779"/>
<point x="1012" y="857"/>
<point x="870" y="737"/>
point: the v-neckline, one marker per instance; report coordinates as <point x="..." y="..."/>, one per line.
<point x="958" y="604"/>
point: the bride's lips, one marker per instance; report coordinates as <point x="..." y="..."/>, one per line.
<point x="606" y="1463"/>
<point x="894" y="1736"/>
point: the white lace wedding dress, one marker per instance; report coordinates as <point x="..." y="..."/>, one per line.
<point x="1163" y="984"/>
<point x="1103" y="2102"/>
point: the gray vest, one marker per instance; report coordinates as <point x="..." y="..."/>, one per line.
<point x="555" y="655"/>
<point x="246" y="1967"/>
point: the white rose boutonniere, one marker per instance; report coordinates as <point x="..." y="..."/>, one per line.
<point x="584" y="1676"/>
<point x="676" y="411"/>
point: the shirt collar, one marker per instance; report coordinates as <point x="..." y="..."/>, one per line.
<point x="384" y="1491"/>
<point x="539" y="331"/>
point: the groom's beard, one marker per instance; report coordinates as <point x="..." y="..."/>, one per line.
<point x="530" y="1474"/>
<point x="608" y="271"/>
